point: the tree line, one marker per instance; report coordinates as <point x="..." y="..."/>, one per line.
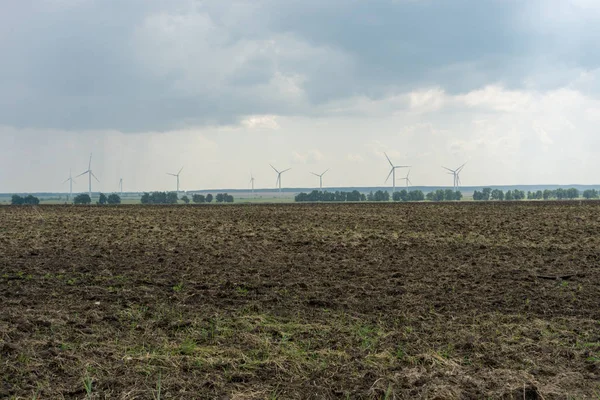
<point x="17" y="200"/>
<point x="378" y="196"/>
<point x="487" y="194"/>
<point x="173" y="198"/>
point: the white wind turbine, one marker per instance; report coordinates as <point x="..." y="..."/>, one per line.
<point x="90" y="174"/>
<point x="252" y="183"/>
<point x="279" y="173"/>
<point x="121" y="187"/>
<point x="70" y="180"/>
<point x="393" y="172"/>
<point x="320" y="178"/>
<point x="455" y="173"/>
<point x="177" y="176"/>
<point x="407" y="179"/>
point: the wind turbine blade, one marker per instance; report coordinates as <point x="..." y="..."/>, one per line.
<point x="390" y="174"/>
<point x="448" y="169"/>
<point x="180" y="171"/>
<point x="83" y="173"/>
<point x="66" y="181"/>
<point x="315" y="174"/>
<point x="90" y="165"/>
<point x="461" y="167"/>
<point x="390" y="161"/>
<point x="94" y="176"/>
<point x="325" y="171"/>
<point x="275" y="169"/>
<point x="408" y="174"/>
<point x="409" y="182"/>
<point x="168" y="173"/>
<point x="285" y="170"/>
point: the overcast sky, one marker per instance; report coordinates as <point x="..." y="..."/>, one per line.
<point x="224" y="88"/>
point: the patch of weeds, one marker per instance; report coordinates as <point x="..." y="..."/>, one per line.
<point x="156" y="395"/>
<point x="368" y="336"/>
<point x="187" y="347"/>
<point x="87" y="385"/>
<point x="71" y="281"/>
<point x="242" y="291"/>
<point x="400" y="352"/>
<point x="178" y="288"/>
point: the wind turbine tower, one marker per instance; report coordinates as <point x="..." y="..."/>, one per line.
<point x="320" y="178"/>
<point x="393" y="172"/>
<point x="90" y="174"/>
<point x="121" y="187"/>
<point x="456" y="175"/>
<point x="279" y="173"/>
<point x="177" y="176"/>
<point x="252" y="183"/>
<point x="70" y="180"/>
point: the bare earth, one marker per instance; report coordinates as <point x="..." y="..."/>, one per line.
<point x="405" y="301"/>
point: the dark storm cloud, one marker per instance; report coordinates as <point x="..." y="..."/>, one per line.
<point x="152" y="65"/>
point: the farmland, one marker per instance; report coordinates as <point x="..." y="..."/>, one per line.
<point x="420" y="300"/>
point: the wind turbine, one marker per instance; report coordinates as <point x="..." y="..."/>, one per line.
<point x="121" y="187"/>
<point x="455" y="173"/>
<point x="279" y="173"/>
<point x="393" y="172"/>
<point x="177" y="176"/>
<point x="252" y="183"/>
<point x="70" y="180"/>
<point x="407" y="179"/>
<point x="90" y="174"/>
<point x="320" y="178"/>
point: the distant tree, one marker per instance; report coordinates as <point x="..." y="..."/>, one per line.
<point x="363" y="197"/>
<point x="114" y="199"/>
<point x="497" y="194"/>
<point x="209" y="198"/>
<point x="370" y="196"/>
<point x="572" y="193"/>
<point x="353" y="196"/>
<point x="145" y="198"/>
<point x="487" y="193"/>
<point x="539" y="195"/>
<point x="458" y="195"/>
<point x="185" y="199"/>
<point x="530" y="195"/>
<point x="416" y="195"/>
<point x="198" y="198"/>
<point x="16" y="200"/>
<point x="31" y="200"/>
<point x="83" y="198"/>
<point x="509" y="196"/>
<point x="228" y="198"/>
<point x="518" y="194"/>
<point x="438" y="195"/>
<point x="381" y="195"/>
<point x="400" y="196"/>
<point x="219" y="197"/>
<point x="477" y="195"/>
<point x="449" y="195"/>
<point x="547" y="194"/>
<point x="590" y="194"/>
<point x="102" y="199"/>
<point x="429" y="196"/>
<point x="172" y="198"/>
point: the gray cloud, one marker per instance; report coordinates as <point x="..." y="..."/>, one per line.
<point x="153" y="65"/>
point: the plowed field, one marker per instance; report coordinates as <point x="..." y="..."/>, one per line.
<point x="405" y="301"/>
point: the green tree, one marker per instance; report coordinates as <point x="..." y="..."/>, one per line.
<point x="209" y="198"/>
<point x="590" y="194"/>
<point x="416" y="195"/>
<point x="509" y="196"/>
<point x="477" y="195"/>
<point x="449" y="195"/>
<point x="83" y="198"/>
<point x="572" y="193"/>
<point x="458" y="195"/>
<point x="198" y="198"/>
<point x="114" y="199"/>
<point x="487" y="193"/>
<point x="219" y="197"/>
<point x="497" y="194"/>
<point x="16" y="200"/>
<point x="429" y="196"/>
<point x="102" y="199"/>
<point x="229" y="198"/>
<point x="172" y="198"/>
<point x="185" y="199"/>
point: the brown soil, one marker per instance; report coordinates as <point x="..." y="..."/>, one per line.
<point x="437" y="301"/>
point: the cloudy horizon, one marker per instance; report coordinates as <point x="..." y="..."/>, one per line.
<point x="225" y="89"/>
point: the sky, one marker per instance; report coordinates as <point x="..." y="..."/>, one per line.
<point x="223" y="88"/>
